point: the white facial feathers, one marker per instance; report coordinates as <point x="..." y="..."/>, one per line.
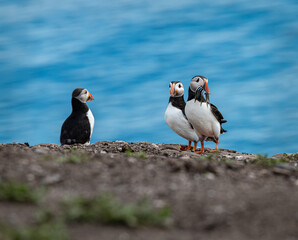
<point x="83" y="97"/>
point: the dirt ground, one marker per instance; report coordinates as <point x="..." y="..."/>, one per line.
<point x="225" y="195"/>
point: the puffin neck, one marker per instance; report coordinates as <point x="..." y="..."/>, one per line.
<point x="178" y="102"/>
<point x="78" y="106"/>
<point x="191" y="94"/>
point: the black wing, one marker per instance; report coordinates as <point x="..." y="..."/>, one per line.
<point x="75" y="129"/>
<point x="217" y="114"/>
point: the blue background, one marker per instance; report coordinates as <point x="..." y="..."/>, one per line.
<point x="126" y="53"/>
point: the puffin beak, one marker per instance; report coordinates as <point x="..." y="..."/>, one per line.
<point x="172" y="90"/>
<point x="206" y="88"/>
<point x="90" y="97"/>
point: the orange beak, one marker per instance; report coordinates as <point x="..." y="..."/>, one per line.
<point x="172" y="90"/>
<point x="207" y="88"/>
<point x="90" y="97"/>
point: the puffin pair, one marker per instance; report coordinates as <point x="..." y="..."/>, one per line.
<point x="78" y="127"/>
<point x="198" y="119"/>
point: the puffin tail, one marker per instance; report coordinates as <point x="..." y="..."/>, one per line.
<point x="222" y="130"/>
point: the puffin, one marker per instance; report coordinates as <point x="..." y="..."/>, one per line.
<point x="205" y="118"/>
<point x="175" y="115"/>
<point x="78" y="127"/>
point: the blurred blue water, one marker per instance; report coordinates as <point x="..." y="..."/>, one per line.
<point x="126" y="52"/>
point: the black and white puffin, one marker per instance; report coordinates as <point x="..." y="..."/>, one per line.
<point x="78" y="127"/>
<point x="175" y="115"/>
<point x="204" y="116"/>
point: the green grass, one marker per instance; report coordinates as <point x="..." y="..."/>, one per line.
<point x="73" y="149"/>
<point x="290" y="157"/>
<point x="135" y="154"/>
<point x="209" y="157"/>
<point x="45" y="231"/>
<point x="106" y="209"/>
<point x="269" y="162"/>
<point x="19" y="192"/>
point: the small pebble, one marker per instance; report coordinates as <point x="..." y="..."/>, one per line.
<point x="52" y="179"/>
<point x="210" y="176"/>
<point x="185" y="157"/>
<point x="132" y="160"/>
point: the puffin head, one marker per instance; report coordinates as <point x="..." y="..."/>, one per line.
<point x="199" y="82"/>
<point x="176" y="89"/>
<point x="82" y="94"/>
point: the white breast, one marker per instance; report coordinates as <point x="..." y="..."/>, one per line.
<point x="200" y="116"/>
<point x="176" y="120"/>
<point x="91" y="121"/>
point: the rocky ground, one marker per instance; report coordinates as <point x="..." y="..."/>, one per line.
<point x="224" y="195"/>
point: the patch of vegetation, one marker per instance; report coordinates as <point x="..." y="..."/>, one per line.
<point x="45" y="231"/>
<point x="74" y="158"/>
<point x="73" y="149"/>
<point x="106" y="209"/>
<point x="225" y="160"/>
<point x="268" y="162"/>
<point x="19" y="192"/>
<point x="290" y="157"/>
<point x="135" y="154"/>
<point x="210" y="157"/>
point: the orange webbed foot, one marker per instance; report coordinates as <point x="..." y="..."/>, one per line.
<point x="216" y="149"/>
<point x="202" y="150"/>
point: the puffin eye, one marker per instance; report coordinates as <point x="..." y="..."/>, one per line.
<point x="179" y="86"/>
<point x="197" y="80"/>
<point x="85" y="92"/>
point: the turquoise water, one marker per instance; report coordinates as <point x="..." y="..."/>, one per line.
<point x="126" y="53"/>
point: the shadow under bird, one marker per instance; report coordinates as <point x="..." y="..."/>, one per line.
<point x="78" y="127"/>
<point x="175" y="115"/>
<point x="203" y="115"/>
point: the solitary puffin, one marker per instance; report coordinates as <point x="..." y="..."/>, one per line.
<point x="175" y="115"/>
<point x="78" y="127"/>
<point x="204" y="116"/>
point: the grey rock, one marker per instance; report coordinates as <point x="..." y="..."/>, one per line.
<point x="52" y="179"/>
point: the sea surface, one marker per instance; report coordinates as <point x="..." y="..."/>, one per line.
<point x="126" y="53"/>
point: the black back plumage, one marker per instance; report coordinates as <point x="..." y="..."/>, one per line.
<point x="76" y="128"/>
<point x="217" y="114"/>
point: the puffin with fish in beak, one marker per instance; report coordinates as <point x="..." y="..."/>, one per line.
<point x="203" y="115"/>
<point x="78" y="127"/>
<point x="175" y="115"/>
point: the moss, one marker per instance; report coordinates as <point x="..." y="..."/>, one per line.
<point x="45" y="231"/>
<point x="19" y="192"/>
<point x="135" y="154"/>
<point x="267" y="161"/>
<point x="210" y="156"/>
<point x="106" y="209"/>
<point x="73" y="149"/>
<point x="225" y="160"/>
<point x="290" y="157"/>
